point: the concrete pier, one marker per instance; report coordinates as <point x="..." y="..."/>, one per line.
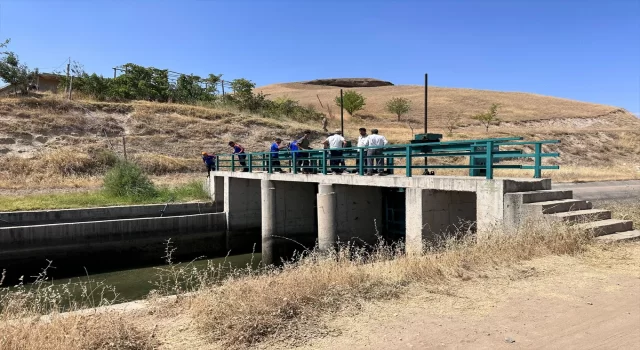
<point x="327" y="224"/>
<point x="292" y="211"/>
<point x="268" y="194"/>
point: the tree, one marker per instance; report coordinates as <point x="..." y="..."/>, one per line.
<point x="398" y="106"/>
<point x="452" y="122"/>
<point x="13" y="72"/>
<point x="488" y="118"/>
<point x="352" y="101"/>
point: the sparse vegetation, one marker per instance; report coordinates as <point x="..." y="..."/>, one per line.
<point x="352" y="101"/>
<point x="452" y="122"/>
<point x="488" y="118"/>
<point x="398" y="106"/>
<point x="126" y="179"/>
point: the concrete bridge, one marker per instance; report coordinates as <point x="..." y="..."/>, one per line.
<point x="281" y="211"/>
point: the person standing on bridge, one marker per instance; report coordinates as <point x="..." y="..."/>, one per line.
<point x="239" y="150"/>
<point x="362" y="142"/>
<point x="334" y="142"/>
<point x="276" y="146"/>
<point x="374" y="154"/>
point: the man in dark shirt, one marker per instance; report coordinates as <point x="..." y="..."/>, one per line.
<point x="239" y="150"/>
<point x="303" y="144"/>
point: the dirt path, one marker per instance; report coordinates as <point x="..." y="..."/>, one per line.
<point x="564" y="303"/>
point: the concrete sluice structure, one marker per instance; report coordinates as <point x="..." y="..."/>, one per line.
<point x="284" y="212"/>
<point x="107" y="238"/>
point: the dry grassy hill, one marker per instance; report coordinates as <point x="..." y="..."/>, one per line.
<point x="47" y="141"/>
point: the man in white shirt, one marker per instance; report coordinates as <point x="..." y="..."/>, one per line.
<point x="362" y="142"/>
<point x="374" y="154"/>
<point x="335" y="141"/>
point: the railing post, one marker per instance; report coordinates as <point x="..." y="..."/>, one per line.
<point x="217" y="163"/>
<point x="270" y="168"/>
<point x="537" y="172"/>
<point x="390" y="163"/>
<point x="489" y="162"/>
<point x="249" y="159"/>
<point x="324" y="162"/>
<point x="408" y="158"/>
<point x="294" y="164"/>
<point x="361" y="161"/>
<point x="233" y="162"/>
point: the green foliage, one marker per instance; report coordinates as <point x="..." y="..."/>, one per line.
<point x="183" y="193"/>
<point x="126" y="179"/>
<point x="352" y="101"/>
<point x="13" y="71"/>
<point x="398" y="106"/>
<point x="488" y="118"/>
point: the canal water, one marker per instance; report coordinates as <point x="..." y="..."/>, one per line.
<point x="136" y="283"/>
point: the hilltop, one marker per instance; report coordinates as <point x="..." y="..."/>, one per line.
<point x="47" y="141"/>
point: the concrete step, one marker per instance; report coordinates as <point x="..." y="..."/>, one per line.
<point x="545" y="196"/>
<point x="605" y="227"/>
<point x="561" y="205"/>
<point x="583" y="215"/>
<point x="620" y="236"/>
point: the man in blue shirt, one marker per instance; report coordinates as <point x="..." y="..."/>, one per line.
<point x="209" y="161"/>
<point x="239" y="150"/>
<point x="276" y="146"/>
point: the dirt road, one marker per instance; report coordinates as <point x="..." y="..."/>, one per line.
<point x="561" y="303"/>
<point x="603" y="191"/>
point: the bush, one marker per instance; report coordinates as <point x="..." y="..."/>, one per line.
<point x="126" y="179"/>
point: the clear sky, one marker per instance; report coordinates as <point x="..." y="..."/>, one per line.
<point x="587" y="50"/>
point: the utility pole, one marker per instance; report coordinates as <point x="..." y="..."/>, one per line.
<point x="70" y="86"/>
<point x="114" y="73"/>
<point x="341" y="114"/>
<point x="222" y="84"/>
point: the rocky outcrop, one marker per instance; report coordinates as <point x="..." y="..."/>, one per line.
<point x="350" y="82"/>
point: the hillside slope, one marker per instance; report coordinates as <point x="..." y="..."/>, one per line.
<point x="444" y="102"/>
<point x="48" y="141"/>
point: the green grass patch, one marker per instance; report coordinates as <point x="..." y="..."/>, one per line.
<point x="188" y="192"/>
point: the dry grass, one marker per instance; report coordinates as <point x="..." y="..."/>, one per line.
<point x="100" y="331"/>
<point x="516" y="106"/>
<point x="50" y="142"/>
<point x="285" y="305"/>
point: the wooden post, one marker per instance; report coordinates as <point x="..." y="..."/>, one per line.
<point x="222" y="84"/>
<point x="124" y="147"/>
<point x="70" y="86"/>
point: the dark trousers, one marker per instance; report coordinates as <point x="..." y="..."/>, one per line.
<point x="303" y="163"/>
<point x="275" y="165"/>
<point x="335" y="161"/>
<point x="242" y="161"/>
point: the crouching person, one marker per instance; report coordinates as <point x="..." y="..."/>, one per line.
<point x="209" y="161"/>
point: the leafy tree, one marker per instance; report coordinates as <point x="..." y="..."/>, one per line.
<point x="14" y="72"/>
<point x="352" y="101"/>
<point x="488" y="118"/>
<point x="398" y="106"/>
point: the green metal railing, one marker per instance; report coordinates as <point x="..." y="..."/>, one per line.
<point x="490" y="152"/>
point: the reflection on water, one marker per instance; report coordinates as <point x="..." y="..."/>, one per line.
<point x="136" y="283"/>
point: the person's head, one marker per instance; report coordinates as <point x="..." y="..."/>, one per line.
<point x="278" y="140"/>
<point x="374" y="131"/>
<point x="338" y="132"/>
<point x="204" y="154"/>
<point x="231" y="143"/>
<point x="307" y="132"/>
<point x="363" y="131"/>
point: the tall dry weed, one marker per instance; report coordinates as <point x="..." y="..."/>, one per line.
<point x="278" y="303"/>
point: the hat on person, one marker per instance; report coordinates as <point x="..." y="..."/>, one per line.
<point x="337" y="131"/>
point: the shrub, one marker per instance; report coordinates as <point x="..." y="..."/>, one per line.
<point x="126" y="179"/>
